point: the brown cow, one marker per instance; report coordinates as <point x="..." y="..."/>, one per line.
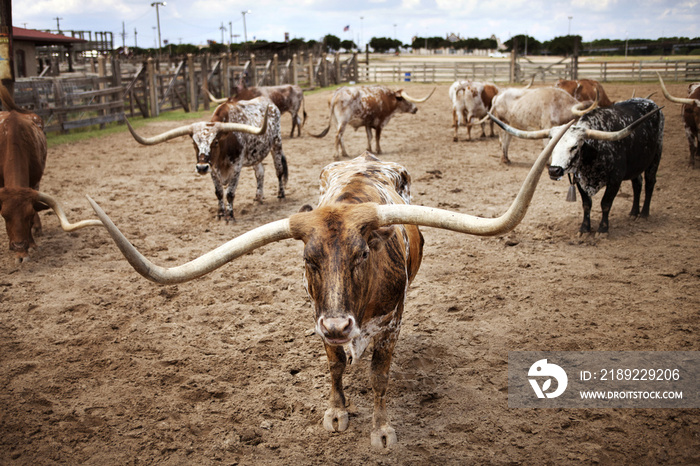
<point x="691" y="116"/>
<point x="471" y="100"/>
<point x="368" y="106"/>
<point x="585" y="89"/>
<point x="287" y="98"/>
<point x="22" y="162"/>
<point x="362" y="248"/>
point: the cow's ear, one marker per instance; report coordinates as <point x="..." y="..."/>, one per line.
<point x="398" y="95"/>
<point x="379" y="236"/>
<point x="39" y="206"/>
<point x="306" y="208"/>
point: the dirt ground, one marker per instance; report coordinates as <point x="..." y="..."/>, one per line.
<point x="100" y="366"/>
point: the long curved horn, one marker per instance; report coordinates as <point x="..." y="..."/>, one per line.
<point x="225" y="127"/>
<point x="173" y="133"/>
<point x="215" y="100"/>
<point x="414" y="100"/>
<point x="678" y="100"/>
<point x="579" y="111"/>
<point x="617" y="135"/>
<point x="58" y="209"/>
<point x="539" y="134"/>
<point x="247" y="242"/>
<point x="532" y="80"/>
<point x="483" y="120"/>
<point x="464" y="223"/>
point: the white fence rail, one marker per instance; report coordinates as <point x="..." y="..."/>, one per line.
<point x="545" y="71"/>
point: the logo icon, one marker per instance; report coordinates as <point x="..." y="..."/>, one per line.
<point x="544" y="369"/>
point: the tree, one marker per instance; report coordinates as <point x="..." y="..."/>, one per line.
<point x="561" y="45"/>
<point x="348" y="45"/>
<point x="384" y="44"/>
<point x="533" y="45"/>
<point x="331" y="42"/>
<point x="430" y="42"/>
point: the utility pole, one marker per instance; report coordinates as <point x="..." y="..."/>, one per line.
<point x="222" y="28"/>
<point x="230" y="34"/>
<point x="245" y="31"/>
<point x="158" y="20"/>
<point x="136" y="43"/>
<point x="123" y="34"/>
<point x="7" y="68"/>
<point x="58" y="25"/>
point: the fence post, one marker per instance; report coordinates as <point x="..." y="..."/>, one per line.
<point x="101" y="73"/>
<point x="312" y="78"/>
<point x="226" y="82"/>
<point x="295" y="76"/>
<point x="276" y="70"/>
<point x="152" y="91"/>
<point x="324" y="70"/>
<point x="337" y="68"/>
<point x="253" y="71"/>
<point x="192" y="81"/>
<point x="116" y="72"/>
<point x="355" y="73"/>
<point x="205" y="81"/>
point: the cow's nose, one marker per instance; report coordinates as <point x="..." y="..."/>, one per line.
<point x="202" y="168"/>
<point x="555" y="172"/>
<point x="336" y="329"/>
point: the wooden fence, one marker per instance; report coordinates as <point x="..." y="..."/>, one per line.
<point x="502" y="71"/>
<point x="147" y="88"/>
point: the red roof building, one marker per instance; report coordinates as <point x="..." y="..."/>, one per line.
<point x="25" y="42"/>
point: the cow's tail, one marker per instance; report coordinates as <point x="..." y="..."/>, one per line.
<point x="460" y="106"/>
<point x="8" y="102"/>
<point x="285" y="171"/>
<point x="330" y="120"/>
<point x="303" y="110"/>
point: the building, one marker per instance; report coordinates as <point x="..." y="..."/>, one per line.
<point x="25" y="43"/>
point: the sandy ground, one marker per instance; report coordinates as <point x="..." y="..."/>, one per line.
<point x="100" y="366"/>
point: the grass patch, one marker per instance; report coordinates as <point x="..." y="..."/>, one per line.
<point x="93" y="132"/>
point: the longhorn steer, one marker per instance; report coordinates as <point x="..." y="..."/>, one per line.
<point x="585" y="89"/>
<point x="240" y="134"/>
<point x="287" y="98"/>
<point x="22" y="162"/>
<point x="607" y="146"/>
<point x="362" y="248"/>
<point x="691" y="116"/>
<point x="368" y="106"/>
<point x="471" y="100"/>
<point x="538" y="109"/>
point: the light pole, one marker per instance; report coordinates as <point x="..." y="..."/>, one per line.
<point x="626" y="39"/>
<point x="245" y="32"/>
<point x="362" y="18"/>
<point x="223" y="29"/>
<point x="155" y="4"/>
<point x="394" y="31"/>
<point x="569" y="33"/>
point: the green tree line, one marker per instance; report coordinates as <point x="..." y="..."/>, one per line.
<point x="561" y="45"/>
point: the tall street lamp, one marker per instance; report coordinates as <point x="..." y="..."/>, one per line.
<point x="155" y="4"/>
<point x="245" y="31"/>
<point x="569" y="33"/>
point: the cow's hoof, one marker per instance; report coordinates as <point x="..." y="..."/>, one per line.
<point x="335" y="420"/>
<point x="383" y="438"/>
<point x="455" y="139"/>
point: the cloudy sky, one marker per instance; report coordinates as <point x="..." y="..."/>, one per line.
<point x="197" y="21"/>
